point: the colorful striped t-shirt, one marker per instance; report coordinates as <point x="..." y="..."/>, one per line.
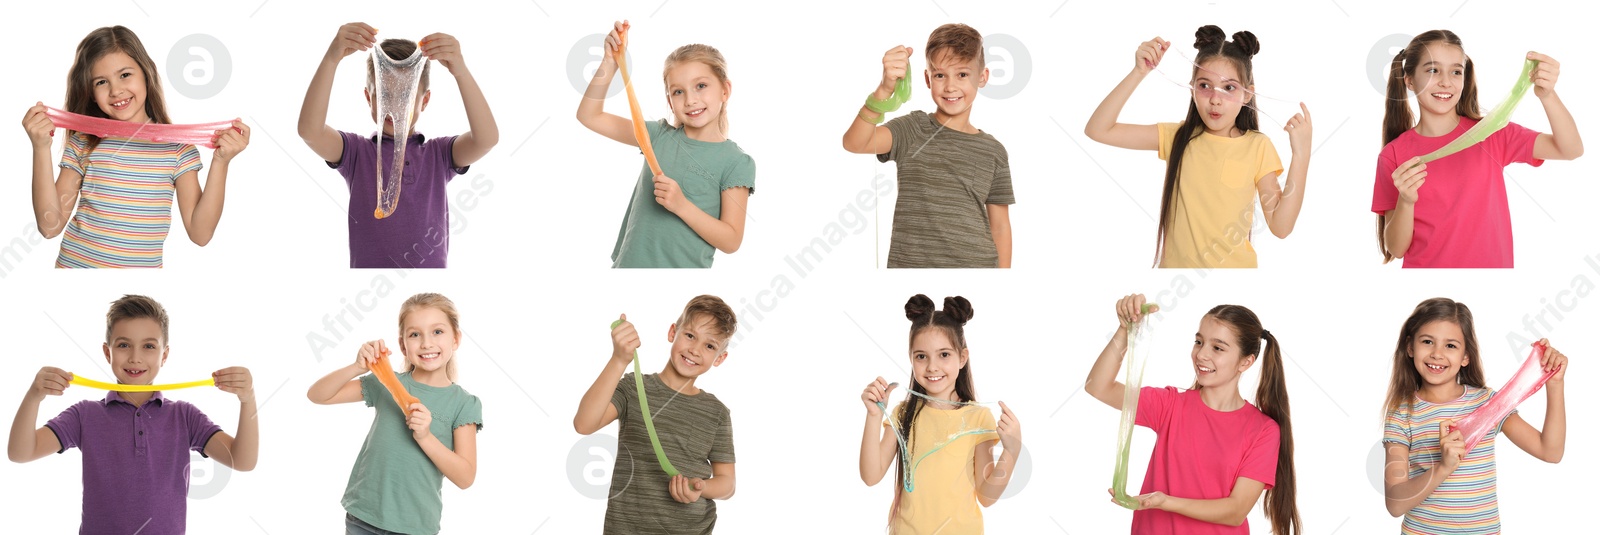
<point x="1465" y="503"/>
<point x="125" y="204"/>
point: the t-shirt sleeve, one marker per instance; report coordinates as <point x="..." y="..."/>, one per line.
<point x="742" y="174"/>
<point x="351" y="158"/>
<point x="1261" y="460"/>
<point x="903" y="129"/>
<point x="68" y="426"/>
<point x="1000" y="187"/>
<point x="624" y="396"/>
<point x="188" y="160"/>
<point x="1384" y="194"/>
<point x="443" y="149"/>
<point x="72" y="155"/>
<point x="200" y="427"/>
<point x="986" y="421"/>
<point x="371" y="389"/>
<point x="471" y="413"/>
<point x="1164" y="134"/>
<point x="1397" y="429"/>
<point x="1267" y="162"/>
<point x="1514" y="144"/>
<point x="1155" y="406"/>
<point x="722" y="443"/>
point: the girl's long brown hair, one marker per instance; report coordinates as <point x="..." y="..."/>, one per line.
<point x="80" y="79"/>
<point x="1272" y="399"/>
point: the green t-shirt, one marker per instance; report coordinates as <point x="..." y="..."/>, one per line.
<point x="947" y="180"/>
<point x="695" y="431"/>
<point x="394" y="486"/>
<point x="652" y="237"/>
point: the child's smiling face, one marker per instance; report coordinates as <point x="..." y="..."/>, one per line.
<point x="696" y="95"/>
<point x="427" y="339"/>
<point x="1216" y="356"/>
<point x="697" y="346"/>
<point x="1439" y="351"/>
<point x="1219" y="95"/>
<point x="954" y="82"/>
<point x="136" y="350"/>
<point x="1439" y="79"/>
<point x="936" y="363"/>
<point x="119" y="87"/>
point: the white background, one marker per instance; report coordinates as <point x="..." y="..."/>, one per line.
<point x="529" y="257"/>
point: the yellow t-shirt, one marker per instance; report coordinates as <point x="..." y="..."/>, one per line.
<point x="944" y="495"/>
<point x="1215" y="204"/>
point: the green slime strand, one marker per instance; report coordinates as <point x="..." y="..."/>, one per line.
<point x="902" y="95"/>
<point x="1134" y="361"/>
<point x="909" y="465"/>
<point x="644" y="407"/>
<point x="1491" y="122"/>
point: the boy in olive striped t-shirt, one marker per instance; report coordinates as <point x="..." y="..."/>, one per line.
<point x="694" y="428"/>
<point x="953" y="206"/>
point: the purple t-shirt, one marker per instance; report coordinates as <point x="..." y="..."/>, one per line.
<point x="135" y="461"/>
<point x="417" y="234"/>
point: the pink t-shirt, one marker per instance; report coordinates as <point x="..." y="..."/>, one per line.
<point x="1200" y="453"/>
<point x="1462" y="219"/>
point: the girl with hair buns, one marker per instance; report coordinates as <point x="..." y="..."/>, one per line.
<point x="1218" y="161"/>
<point x="1215" y="453"/>
<point x="959" y="474"/>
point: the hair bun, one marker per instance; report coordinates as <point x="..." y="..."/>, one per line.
<point x="958" y="309"/>
<point x="1247" y="42"/>
<point x="1209" y="36"/>
<point x="919" y="309"/>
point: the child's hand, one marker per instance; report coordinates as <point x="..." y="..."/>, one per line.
<point x="1149" y="55"/>
<point x="1299" y="129"/>
<point x="444" y="49"/>
<point x="369" y="353"/>
<point x="419" y="420"/>
<point x="1152" y="500"/>
<point x="686" y="489"/>
<point x="669" y="195"/>
<point x="352" y="37"/>
<point x="624" y="341"/>
<point x="1452" y="446"/>
<point x="875" y="393"/>
<point x="39" y="126"/>
<point x="1129" y="309"/>
<point x="49" y="382"/>
<point x="608" y="60"/>
<point x="1010" y="430"/>
<point x="1553" y="360"/>
<point x="1544" y="76"/>
<point x="237" y="381"/>
<point x="896" y="63"/>
<point x="1408" y="178"/>
<point x="231" y="141"/>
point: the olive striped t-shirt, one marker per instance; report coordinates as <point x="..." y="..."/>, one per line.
<point x="125" y="203"/>
<point x="695" y="431"/>
<point x="947" y="180"/>
<point x="1465" y="503"/>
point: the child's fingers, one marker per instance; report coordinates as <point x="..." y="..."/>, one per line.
<point x="1542" y="59"/>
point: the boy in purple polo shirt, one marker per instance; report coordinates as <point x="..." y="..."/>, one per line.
<point x="135" y="444"/>
<point x="417" y="234"/>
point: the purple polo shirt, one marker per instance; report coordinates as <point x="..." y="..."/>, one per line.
<point x="135" y="461"/>
<point x="417" y="234"/>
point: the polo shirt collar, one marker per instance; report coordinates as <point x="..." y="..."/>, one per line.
<point x="116" y="397"/>
<point x="415" y="136"/>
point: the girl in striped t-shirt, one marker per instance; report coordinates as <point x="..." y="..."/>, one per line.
<point x="1430" y="477"/>
<point x="123" y="188"/>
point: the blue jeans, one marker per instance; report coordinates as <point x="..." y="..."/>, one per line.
<point x="354" y="526"/>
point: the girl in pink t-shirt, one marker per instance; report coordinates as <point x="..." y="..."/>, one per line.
<point x="1215" y="453"/>
<point x="1463" y="219"/>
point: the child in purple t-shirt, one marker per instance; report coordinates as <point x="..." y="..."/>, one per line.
<point x="135" y="439"/>
<point x="417" y="234"/>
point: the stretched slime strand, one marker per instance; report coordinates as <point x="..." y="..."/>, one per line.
<point x="1491" y="122"/>
<point x="1523" y="384"/>
<point x="641" y="134"/>
<point x="188" y="134"/>
<point x="380" y="368"/>
<point x="396" y="84"/>
<point x="907" y="463"/>
<point x="644" y="407"/>
<point x="91" y="383"/>
<point x="1134" y="362"/>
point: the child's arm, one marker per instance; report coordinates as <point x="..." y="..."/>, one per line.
<point x="725" y="233"/>
<point x="1563" y="141"/>
<point x="1102" y="382"/>
<point x="1401" y="492"/>
<point x="202" y="209"/>
<point x="314" y="130"/>
<point x="1551" y="444"/>
<point x="27" y="443"/>
<point x="1000" y="230"/>
<point x="595" y="409"/>
<point x="878" y="448"/>
<point x="591" y="110"/>
<point x="459" y="465"/>
<point x="238" y="451"/>
<point x="992" y="477"/>
<point x="1399" y="222"/>
<point x="1103" y="126"/>
<point x="864" y="137"/>
<point x="686" y="489"/>
<point x="341" y="385"/>
<point x="53" y="196"/>
<point x="482" y="133"/>
<point x="1281" y="206"/>
<point x="1229" y="511"/>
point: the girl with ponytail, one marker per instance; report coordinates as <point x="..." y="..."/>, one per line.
<point x="957" y="475"/>
<point x="1218" y="161"/>
<point x="1215" y="453"/>
<point x="1462" y="219"/>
